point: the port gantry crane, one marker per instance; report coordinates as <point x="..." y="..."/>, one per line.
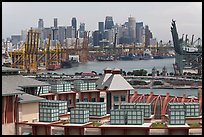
<point x="29" y="56"/>
<point x="188" y="54"/>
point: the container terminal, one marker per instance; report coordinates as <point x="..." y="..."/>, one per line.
<point x="108" y="105"/>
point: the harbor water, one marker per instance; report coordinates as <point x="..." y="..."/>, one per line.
<point x="98" y="67"/>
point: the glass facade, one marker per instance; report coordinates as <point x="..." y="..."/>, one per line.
<point x="48" y="114"/>
<point x="135" y="117"/>
<point x="177" y="117"/>
<point x="59" y="105"/>
<point x="44" y="89"/>
<point x="192" y="109"/>
<point x="79" y="116"/>
<point x="94" y="108"/>
<point x="117" y="117"/>
<point x="126" y="117"/>
<point x="145" y="107"/>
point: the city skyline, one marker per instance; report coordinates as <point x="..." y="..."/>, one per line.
<point x="157" y="15"/>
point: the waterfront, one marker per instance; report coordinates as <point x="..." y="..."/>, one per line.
<point x="130" y="66"/>
<point x="173" y="92"/>
<point x="98" y="66"/>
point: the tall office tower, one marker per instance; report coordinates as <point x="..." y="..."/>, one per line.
<point x="139" y="26"/>
<point x="54" y="33"/>
<point x="24" y="35"/>
<point x="15" y="39"/>
<point x="61" y="33"/>
<point x="148" y="36"/>
<point x="132" y="29"/>
<point x="55" y="22"/>
<point x="70" y="32"/>
<point x="81" y="30"/>
<point x="109" y="22"/>
<point x="101" y="27"/>
<point x="46" y="32"/>
<point x="97" y="37"/>
<point x="40" y="24"/>
<point x="74" y="25"/>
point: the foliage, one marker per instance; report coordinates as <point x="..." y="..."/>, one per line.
<point x="158" y="125"/>
<point x="140" y="72"/>
<point x="195" y="125"/>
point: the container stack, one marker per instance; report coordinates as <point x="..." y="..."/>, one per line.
<point x="118" y="117"/>
<point x="94" y="108"/>
<point x="59" y="105"/>
<point x="135" y="117"/>
<point x="48" y="114"/>
<point x="145" y="107"/>
<point x="79" y="116"/>
<point x="192" y="109"/>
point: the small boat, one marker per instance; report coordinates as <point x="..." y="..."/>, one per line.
<point x="54" y="66"/>
<point x="105" y="58"/>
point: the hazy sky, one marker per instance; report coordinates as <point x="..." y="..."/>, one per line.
<point x="17" y="16"/>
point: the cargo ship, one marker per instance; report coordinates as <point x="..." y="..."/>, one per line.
<point x="129" y="57"/>
<point x="72" y="62"/>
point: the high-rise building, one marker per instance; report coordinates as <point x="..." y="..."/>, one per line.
<point x="139" y="26"/>
<point x="24" y="34"/>
<point x="74" y="25"/>
<point x="109" y="22"/>
<point x="132" y="29"/>
<point x="40" y="24"/>
<point x="46" y="32"/>
<point x="148" y="35"/>
<point x="15" y="39"/>
<point x="81" y="30"/>
<point x="55" y="23"/>
<point x="54" y="33"/>
<point x="101" y="27"/>
<point x="61" y="33"/>
<point x="97" y="37"/>
<point x="70" y="32"/>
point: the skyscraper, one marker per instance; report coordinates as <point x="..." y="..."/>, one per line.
<point x="132" y="29"/>
<point x="81" y="30"/>
<point x="101" y="27"/>
<point x="74" y="24"/>
<point x="55" y="22"/>
<point x="109" y="22"/>
<point x="70" y="32"/>
<point x="61" y="33"/>
<point x="40" y="24"/>
<point x="148" y="35"/>
<point x="139" y="26"/>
